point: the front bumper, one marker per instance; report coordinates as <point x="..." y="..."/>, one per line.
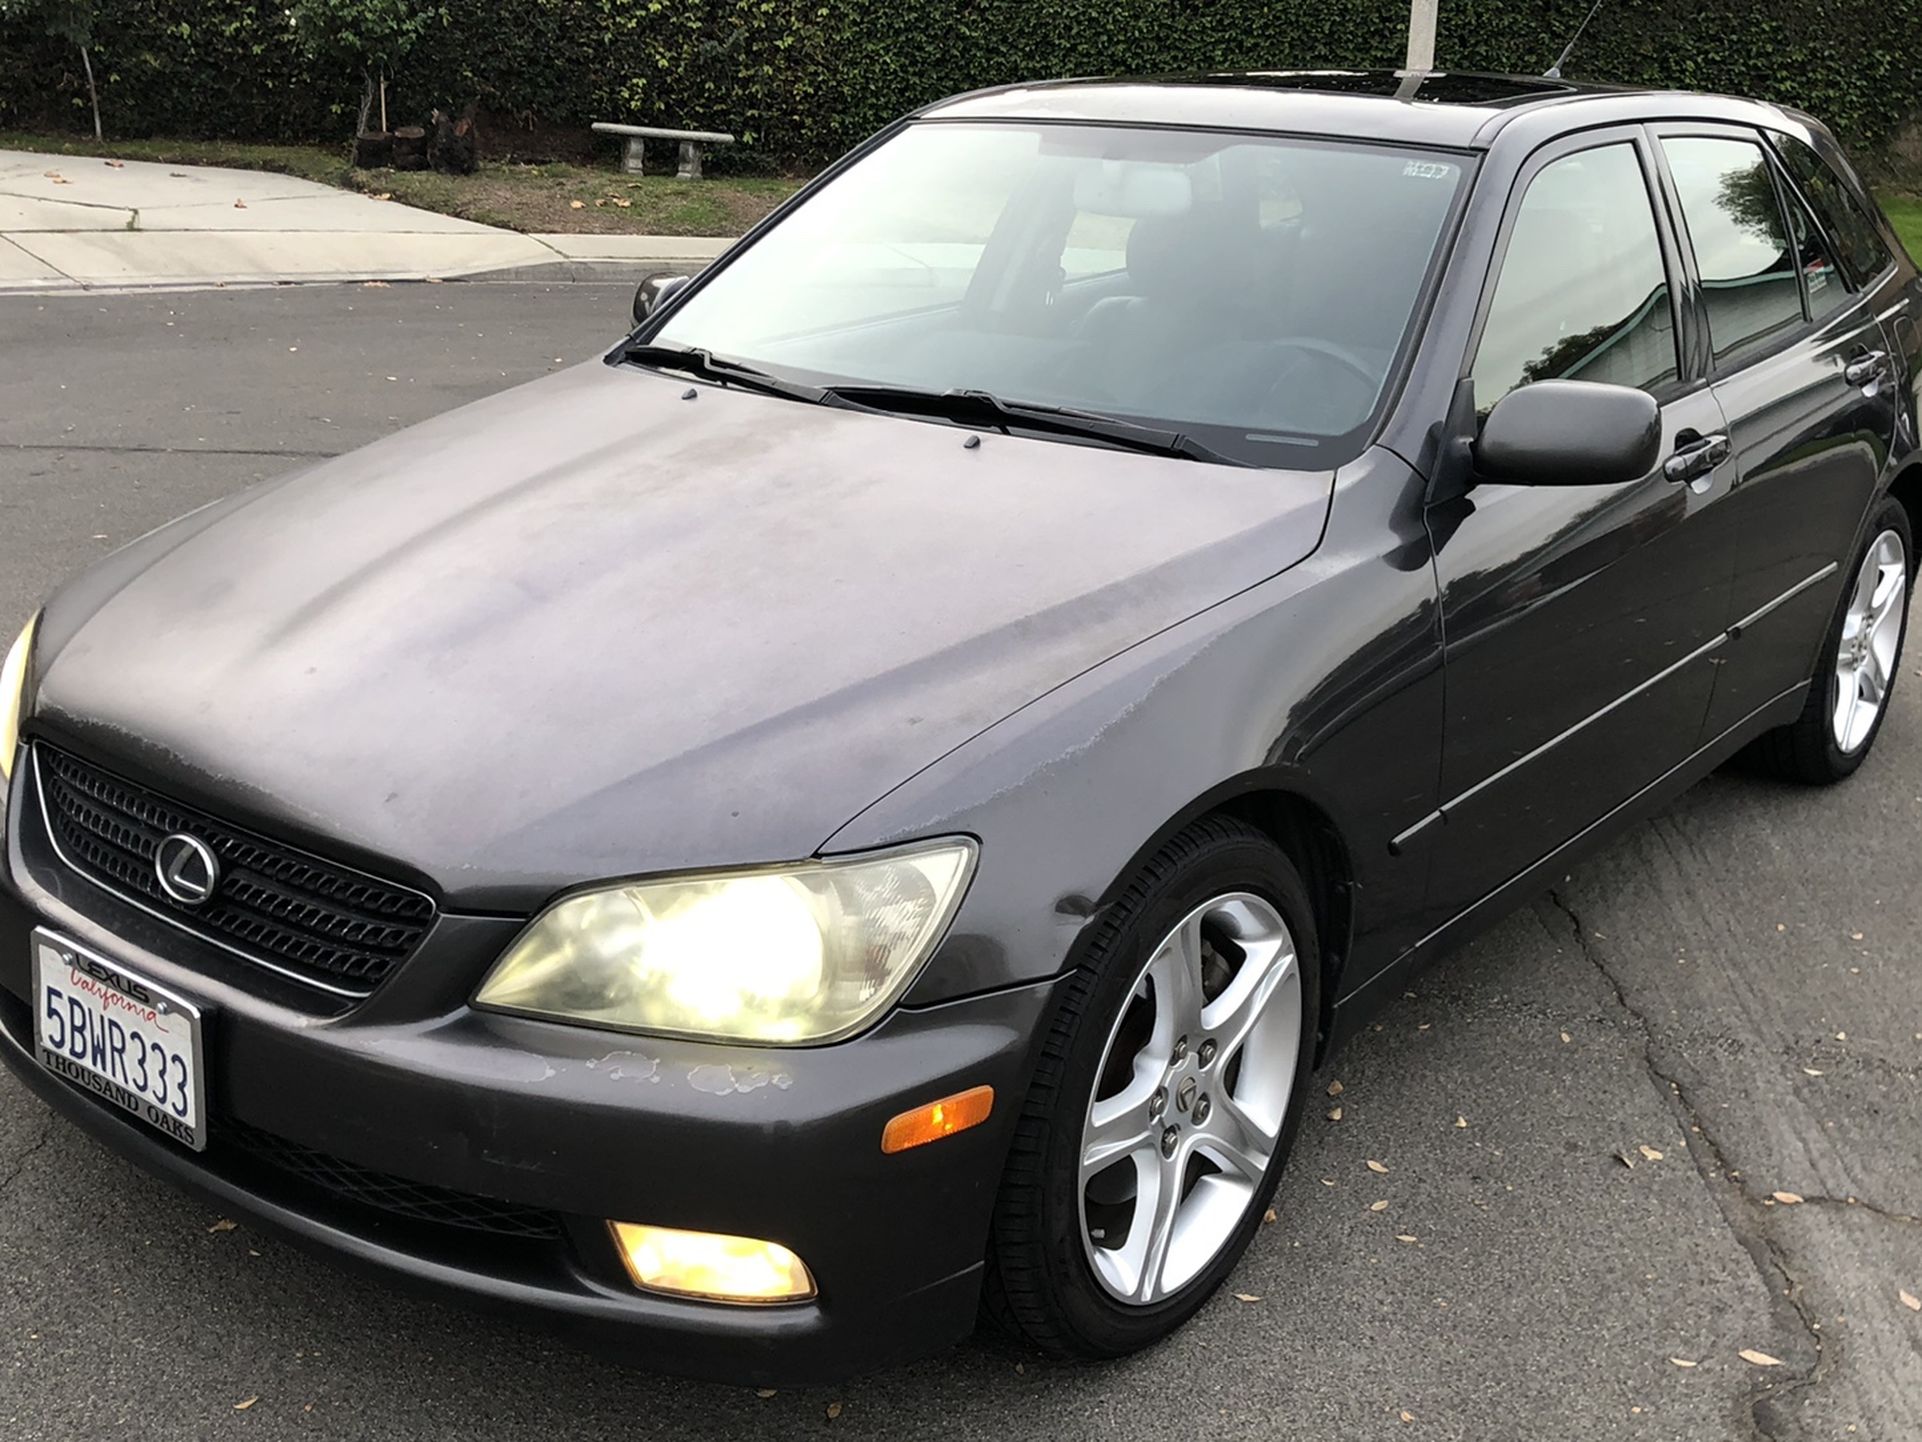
<point x="528" y="1119"/>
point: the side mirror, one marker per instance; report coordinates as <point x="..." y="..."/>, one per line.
<point x="653" y="290"/>
<point x="1570" y="433"/>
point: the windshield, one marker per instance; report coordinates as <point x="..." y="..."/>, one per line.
<point x="1252" y="292"/>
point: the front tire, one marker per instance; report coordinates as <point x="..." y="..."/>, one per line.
<point x="1168" y="1094"/>
<point x="1849" y="698"/>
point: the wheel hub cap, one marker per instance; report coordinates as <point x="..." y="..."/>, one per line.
<point x="1163" y="1189"/>
<point x="1871" y="637"/>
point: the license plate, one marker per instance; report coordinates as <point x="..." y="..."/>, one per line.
<point x="122" y="1037"/>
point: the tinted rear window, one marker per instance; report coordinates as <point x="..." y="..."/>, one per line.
<point x="1857" y="239"/>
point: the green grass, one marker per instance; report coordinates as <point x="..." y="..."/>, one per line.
<point x="1905" y="214"/>
<point x="535" y="198"/>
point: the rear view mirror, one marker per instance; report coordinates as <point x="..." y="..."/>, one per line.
<point x="653" y="290"/>
<point x="1570" y="433"/>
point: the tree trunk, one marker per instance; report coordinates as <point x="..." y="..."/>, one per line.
<point x="366" y="104"/>
<point x="93" y="93"/>
<point x="383" y="97"/>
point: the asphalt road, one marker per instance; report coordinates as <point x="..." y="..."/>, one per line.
<point x="1735" y="987"/>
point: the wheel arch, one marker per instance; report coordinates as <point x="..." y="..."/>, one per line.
<point x="1907" y="489"/>
<point x="1280" y="806"/>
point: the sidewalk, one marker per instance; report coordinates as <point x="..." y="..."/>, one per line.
<point x="73" y="223"/>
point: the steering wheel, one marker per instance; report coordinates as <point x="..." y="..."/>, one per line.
<point x="1312" y="346"/>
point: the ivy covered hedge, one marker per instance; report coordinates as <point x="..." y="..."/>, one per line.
<point x="800" y="80"/>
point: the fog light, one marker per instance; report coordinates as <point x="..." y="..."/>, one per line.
<point x="716" y="1268"/>
<point x="937" y="1120"/>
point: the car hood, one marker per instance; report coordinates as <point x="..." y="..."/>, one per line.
<point x="610" y="624"/>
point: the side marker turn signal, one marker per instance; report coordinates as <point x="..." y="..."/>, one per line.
<point x="937" y="1120"/>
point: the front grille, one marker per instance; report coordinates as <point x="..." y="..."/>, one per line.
<point x="395" y="1195"/>
<point x="310" y="919"/>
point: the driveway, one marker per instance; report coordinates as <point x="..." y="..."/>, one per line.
<point x="1664" y="1115"/>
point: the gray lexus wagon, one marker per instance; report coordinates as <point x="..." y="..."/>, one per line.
<point x="870" y="801"/>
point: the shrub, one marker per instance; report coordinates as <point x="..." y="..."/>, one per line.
<point x="800" y="80"/>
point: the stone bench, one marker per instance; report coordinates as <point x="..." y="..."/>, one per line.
<point x="692" y="143"/>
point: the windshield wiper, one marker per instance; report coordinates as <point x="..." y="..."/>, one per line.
<point x="975" y="407"/>
<point x="710" y="367"/>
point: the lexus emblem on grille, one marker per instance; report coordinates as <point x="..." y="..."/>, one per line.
<point x="188" y="869"/>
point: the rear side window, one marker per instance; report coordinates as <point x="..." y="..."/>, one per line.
<point x="1863" y="255"/>
<point x="1742" y="250"/>
<point x="1822" y="280"/>
<point x="1583" y="293"/>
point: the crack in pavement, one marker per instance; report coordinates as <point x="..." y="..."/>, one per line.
<point x="1743" y="1213"/>
<point x="19" y="1166"/>
<point x="1856" y="1204"/>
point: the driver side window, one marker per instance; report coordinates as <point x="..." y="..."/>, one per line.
<point x="1583" y="293"/>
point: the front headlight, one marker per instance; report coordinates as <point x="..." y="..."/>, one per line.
<point x="13" y="698"/>
<point x="799" y="954"/>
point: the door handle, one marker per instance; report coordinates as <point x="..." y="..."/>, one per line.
<point x="1866" y="368"/>
<point x="1697" y="458"/>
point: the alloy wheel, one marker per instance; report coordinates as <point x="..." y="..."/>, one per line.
<point x="1189" y="1099"/>
<point x="1871" y="637"/>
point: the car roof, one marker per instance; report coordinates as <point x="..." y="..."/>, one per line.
<point x="1459" y="109"/>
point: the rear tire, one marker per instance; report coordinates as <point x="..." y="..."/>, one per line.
<point x="1160" y="1115"/>
<point x="1861" y="657"/>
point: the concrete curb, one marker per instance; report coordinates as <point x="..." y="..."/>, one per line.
<point x="558" y="271"/>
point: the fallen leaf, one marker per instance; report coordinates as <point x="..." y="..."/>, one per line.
<point x="1246" y="1297"/>
<point x="1328" y="1181"/>
<point x="1407" y="1416"/>
<point x="1650" y="1153"/>
<point x="1780" y="927"/>
<point x="834" y="1410"/>
<point x="1461" y="1121"/>
<point x="1810" y="1071"/>
<point x="384" y="195"/>
<point x="1626" y="1160"/>
<point x="240" y="205"/>
<point x="620" y="204"/>
<point x="1380" y="1206"/>
<point x="1269" y="1218"/>
<point x="245" y="1403"/>
<point x="1377" y="1167"/>
<point x="61" y="180"/>
<point x="1682" y="1362"/>
<point x="1334" y="1114"/>
<point x="577" y="205"/>
<point x="1406" y="1237"/>
<point x="1759" y="1359"/>
<point x="764" y="1392"/>
<point x="1787" y="1199"/>
<point x="116" y="165"/>
<point x="1334" y="1088"/>
<point x="223" y="1225"/>
<point x="1910" y="1300"/>
<point x="1855" y="936"/>
<point x="51" y="174"/>
<point x="1841" y="1036"/>
<point x="1567" y="1037"/>
<point x="601" y="204"/>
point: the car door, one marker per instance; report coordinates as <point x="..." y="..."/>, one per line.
<point x="1579" y="620"/>
<point x="1801" y="365"/>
